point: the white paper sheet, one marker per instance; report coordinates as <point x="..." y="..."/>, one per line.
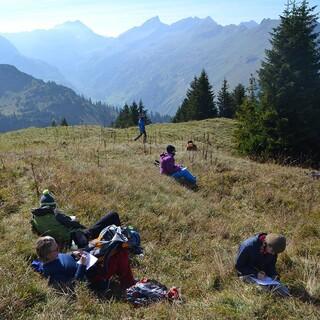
<point x="266" y="281"/>
<point x="91" y="260"/>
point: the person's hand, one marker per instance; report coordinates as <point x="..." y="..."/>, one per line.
<point x="83" y="259"/>
<point x="261" y="275"/>
<point x="77" y="254"/>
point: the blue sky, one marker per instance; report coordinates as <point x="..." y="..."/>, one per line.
<point x="112" y="17"/>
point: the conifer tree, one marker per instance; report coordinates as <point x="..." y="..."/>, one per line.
<point x="124" y="119"/>
<point x="289" y="79"/>
<point x="134" y="111"/>
<point x="238" y="95"/>
<point x="225" y="102"/>
<point x="199" y="102"/>
<point x="205" y="106"/>
<point x="64" y="122"/>
<point x="144" y="111"/>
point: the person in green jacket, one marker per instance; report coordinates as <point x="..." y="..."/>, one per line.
<point x="49" y="220"/>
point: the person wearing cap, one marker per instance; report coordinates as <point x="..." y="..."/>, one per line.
<point x="168" y="166"/>
<point x="48" y="220"/>
<point x="257" y="257"/>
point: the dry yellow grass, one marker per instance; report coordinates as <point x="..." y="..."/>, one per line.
<point x="190" y="238"/>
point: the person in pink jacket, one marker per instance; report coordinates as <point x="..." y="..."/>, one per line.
<point x="168" y="166"/>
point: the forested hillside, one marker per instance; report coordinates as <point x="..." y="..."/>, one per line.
<point x="26" y="101"/>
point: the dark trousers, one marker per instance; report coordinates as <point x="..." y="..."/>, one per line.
<point x="107" y="220"/>
<point x="144" y="136"/>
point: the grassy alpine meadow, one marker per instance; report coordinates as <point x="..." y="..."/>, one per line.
<point x="190" y="237"/>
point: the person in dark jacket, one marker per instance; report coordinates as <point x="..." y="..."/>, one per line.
<point x="142" y="129"/>
<point x="168" y="166"/>
<point x="62" y="269"/>
<point x="48" y="220"/>
<point x="257" y="257"/>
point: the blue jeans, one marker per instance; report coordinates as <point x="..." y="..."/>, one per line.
<point x="185" y="174"/>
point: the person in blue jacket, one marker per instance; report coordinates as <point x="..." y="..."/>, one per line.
<point x="142" y="129"/>
<point x="257" y="257"/>
<point x="61" y="269"/>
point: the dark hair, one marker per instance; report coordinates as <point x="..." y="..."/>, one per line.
<point x="190" y="141"/>
<point x="171" y="148"/>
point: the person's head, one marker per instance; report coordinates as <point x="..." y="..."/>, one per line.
<point x="47" y="199"/>
<point x="275" y="243"/>
<point x="171" y="149"/>
<point x="47" y="249"/>
<point x="190" y="142"/>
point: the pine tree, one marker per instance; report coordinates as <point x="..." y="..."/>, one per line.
<point x="144" y="111"/>
<point x="124" y="119"/>
<point x="64" y="122"/>
<point x="238" y="96"/>
<point x="225" y="102"/>
<point x="206" y="107"/>
<point x="134" y="111"/>
<point x="289" y="79"/>
<point x="249" y="133"/>
<point x="199" y="102"/>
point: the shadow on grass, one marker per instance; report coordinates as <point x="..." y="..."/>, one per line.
<point x="112" y="291"/>
<point x="187" y="185"/>
<point x="302" y="294"/>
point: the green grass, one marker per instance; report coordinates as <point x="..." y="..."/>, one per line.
<point x="190" y="238"/>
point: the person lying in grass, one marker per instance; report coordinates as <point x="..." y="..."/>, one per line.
<point x="168" y="166"/>
<point x="48" y="220"/>
<point x="62" y="269"/>
<point x="256" y="260"/>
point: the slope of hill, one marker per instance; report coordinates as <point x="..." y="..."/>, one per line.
<point x="66" y="46"/>
<point x="39" y="69"/>
<point x="26" y="101"/>
<point x="190" y="238"/>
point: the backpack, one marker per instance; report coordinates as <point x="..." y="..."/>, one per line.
<point x="134" y="239"/>
<point x="147" y="291"/>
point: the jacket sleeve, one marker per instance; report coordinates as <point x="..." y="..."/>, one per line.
<point x="243" y="262"/>
<point x="171" y="167"/>
<point x="81" y="270"/>
<point x="67" y="221"/>
<point x="271" y="267"/>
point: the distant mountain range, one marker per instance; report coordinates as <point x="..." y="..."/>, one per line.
<point x="154" y="62"/>
<point x="26" y="101"/>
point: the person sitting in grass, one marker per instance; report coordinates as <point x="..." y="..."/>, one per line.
<point x="48" y="220"/>
<point x="168" y="166"/>
<point x="191" y="146"/>
<point x="256" y="260"/>
<point x="62" y="269"/>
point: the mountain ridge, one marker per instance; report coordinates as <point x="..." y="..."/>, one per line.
<point x="154" y="62"/>
<point x="26" y="101"/>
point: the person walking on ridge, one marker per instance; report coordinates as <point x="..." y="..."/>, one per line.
<point x="142" y="129"/>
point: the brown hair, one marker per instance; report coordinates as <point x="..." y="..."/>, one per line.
<point x="44" y="247"/>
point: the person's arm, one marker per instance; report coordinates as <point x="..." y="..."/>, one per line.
<point x="67" y="221"/>
<point x="81" y="270"/>
<point x="243" y="262"/>
<point x="171" y="166"/>
<point x="271" y="268"/>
